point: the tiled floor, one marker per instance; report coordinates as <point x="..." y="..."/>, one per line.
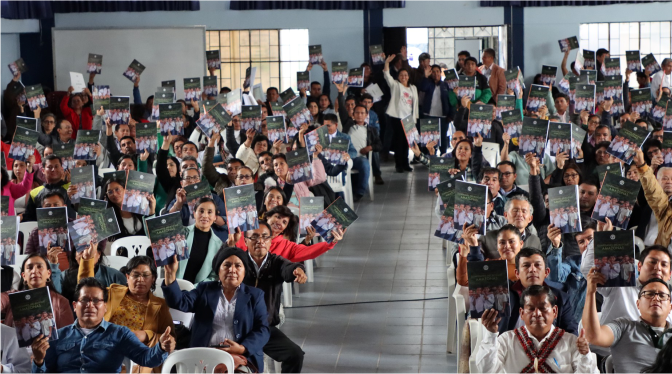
<point x="388" y="254"/>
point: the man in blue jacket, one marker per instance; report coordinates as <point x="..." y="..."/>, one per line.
<point x="436" y="103"/>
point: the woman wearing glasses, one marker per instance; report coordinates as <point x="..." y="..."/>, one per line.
<point x="134" y="305"/>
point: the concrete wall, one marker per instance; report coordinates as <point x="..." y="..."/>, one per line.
<point x="442" y="13"/>
<point x="11" y="29"/>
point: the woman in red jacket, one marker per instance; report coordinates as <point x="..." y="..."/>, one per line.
<point x="278" y="218"/>
<point x="74" y="111"/>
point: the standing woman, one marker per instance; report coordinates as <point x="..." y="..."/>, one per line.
<point x="74" y="110"/>
<point x="403" y="102"/>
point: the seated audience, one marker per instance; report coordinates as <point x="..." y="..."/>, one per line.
<point x="14" y="359"/>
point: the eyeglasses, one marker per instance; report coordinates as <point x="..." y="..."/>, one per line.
<point x="86" y="301"/>
<point x="256" y="238"/>
<point x="195" y="178"/>
<point x="594" y="122"/>
<point x="651" y="294"/>
<point x="570" y="176"/>
<point x="136" y="275"/>
<point x="244" y="176"/>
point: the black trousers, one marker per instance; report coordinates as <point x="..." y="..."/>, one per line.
<point x="282" y="349"/>
<point x="399" y="143"/>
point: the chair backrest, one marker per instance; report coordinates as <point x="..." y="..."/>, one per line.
<point x="136" y="245"/>
<point x="26" y="228"/>
<point x="18" y="261"/>
<point x="336" y="183"/>
<point x="476" y="335"/>
<point x="609" y="364"/>
<point x="116" y="262"/>
<point x="184" y="285"/>
<point x="197" y="360"/>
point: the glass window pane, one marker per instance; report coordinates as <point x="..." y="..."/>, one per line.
<point x="274" y="37"/>
<point x="593" y="31"/>
<point x="583" y="32"/>
<point x="614" y="30"/>
<point x="254" y="37"/>
<point x="634" y="30"/>
<point x="224" y="37"/>
<point x="603" y="30"/>
<point x="665" y="29"/>
<point x="224" y="54"/>
<point x="645" y="29"/>
<point x="645" y="46"/>
<point x="244" y="37"/>
<point x="255" y="52"/>
<point x="207" y="39"/>
<point x="665" y="46"/>
<point x="274" y="53"/>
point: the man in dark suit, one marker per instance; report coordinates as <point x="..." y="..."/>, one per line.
<point x="494" y="73"/>
<point x="518" y="212"/>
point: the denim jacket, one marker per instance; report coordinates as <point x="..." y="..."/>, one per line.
<point x="568" y="273"/>
<point x="102" y="351"/>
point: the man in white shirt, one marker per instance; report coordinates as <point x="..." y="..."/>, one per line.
<point x="662" y="78"/>
<point x="551" y="350"/>
<point x="14" y="359"/>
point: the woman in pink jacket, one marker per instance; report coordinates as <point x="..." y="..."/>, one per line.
<point x="16" y="190"/>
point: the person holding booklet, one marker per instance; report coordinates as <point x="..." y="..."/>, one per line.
<point x="75" y="111"/>
<point x="657" y="190"/>
<point x="16" y="190"/>
<point x="113" y="191"/>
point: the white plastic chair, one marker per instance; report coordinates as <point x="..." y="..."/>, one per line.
<point x="136" y="245"/>
<point x="18" y="261"/>
<point x="197" y="360"/>
<point x="177" y="315"/>
<point x="452" y="318"/>
<point x="370" y="174"/>
<point x="116" y="262"/>
<point x="336" y="184"/>
<point x="26" y="228"/>
<point x="476" y="334"/>
<point x="608" y="364"/>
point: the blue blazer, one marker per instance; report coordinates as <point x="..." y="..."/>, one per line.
<point x="250" y="319"/>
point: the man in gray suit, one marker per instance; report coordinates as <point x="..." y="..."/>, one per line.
<point x="518" y="212"/>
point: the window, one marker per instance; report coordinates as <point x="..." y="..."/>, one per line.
<point x="277" y="55"/>
<point x="647" y="37"/>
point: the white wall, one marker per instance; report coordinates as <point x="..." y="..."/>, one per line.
<point x="339" y="32"/>
<point x="443" y="13"/>
<point x="11" y="47"/>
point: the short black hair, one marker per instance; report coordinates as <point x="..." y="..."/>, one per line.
<point x="528" y="252"/>
<point x="602" y="145"/>
<point x="472" y="59"/>
<point x="490" y="52"/>
<point x="365" y="96"/>
<point x="142" y="260"/>
<point x="279" y="155"/>
<point x="601" y="52"/>
<point x="331" y="117"/>
<point x="489" y="170"/>
<point x="264" y="153"/>
<point x="464" y="53"/>
<point x="561" y="95"/>
<point x="116" y="127"/>
<point x="315" y="82"/>
<point x="361" y="106"/>
<point x="261" y="138"/>
<point x="537" y="290"/>
<point x="509" y="163"/>
<point x="190" y="158"/>
<point x="190" y="142"/>
<point x="262" y="222"/>
<point x="269" y="89"/>
<point x="645" y="253"/>
<point x="512" y="228"/>
<point x="600" y="127"/>
<point x="652" y="280"/>
<point x="350" y="97"/>
<point x="435" y="66"/>
<point x="54" y="192"/>
<point x="225" y="90"/>
<point x="90" y="282"/>
<point x="203" y="200"/>
<point x="51" y="157"/>
<point x="592" y="181"/>
<point x="127" y="137"/>
<point x="234" y="160"/>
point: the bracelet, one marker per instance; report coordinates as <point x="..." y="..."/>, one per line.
<point x="640" y="166"/>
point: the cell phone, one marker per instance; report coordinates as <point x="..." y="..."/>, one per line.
<point x="220" y="346"/>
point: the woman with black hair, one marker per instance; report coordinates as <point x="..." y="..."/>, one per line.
<point x="566" y="174"/>
<point x="36" y="273"/>
<point x="275" y="196"/>
<point x="663" y="363"/>
<point x="134" y="305"/>
<point x="464" y="162"/>
<point x="15" y="190"/>
<point x="129" y="223"/>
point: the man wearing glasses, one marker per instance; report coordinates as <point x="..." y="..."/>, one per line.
<point x="191" y="176"/>
<point x="267" y="272"/>
<point x="99" y="346"/>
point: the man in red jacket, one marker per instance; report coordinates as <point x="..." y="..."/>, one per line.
<point x="74" y="110"/>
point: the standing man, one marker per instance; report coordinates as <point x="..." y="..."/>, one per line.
<point x="436" y="103"/>
<point x="494" y="73"/>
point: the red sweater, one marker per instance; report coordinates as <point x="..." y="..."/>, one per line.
<point x="73" y="118"/>
<point x="292" y="251"/>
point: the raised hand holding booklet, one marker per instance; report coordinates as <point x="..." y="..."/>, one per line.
<point x="667" y="148"/>
<point x="315" y="137"/>
<point x="276" y="129"/>
<point x="578" y="134"/>
<point x="568" y="44"/>
<point x="17" y="67"/>
<point x="584" y="98"/>
<point x="298" y="114"/>
<point x="588" y="59"/>
<point x="35" y="97"/>
<point x="616" y="200"/>
<point x="512" y="77"/>
<point x="241" y="208"/>
<point x="629" y="138"/>
<point x="233" y="101"/>
<point x="438" y="170"/>
<point x="52" y="228"/>
<point x="512" y="122"/>
<point x="564" y="208"/>
<point x="299" y="166"/>
<point x="303" y="80"/>
<point x="139" y="187"/>
<point x="33" y="315"/>
<point x="659" y="110"/>
<point x="591" y="75"/>
<point x="119" y="113"/>
<point x="214" y="121"/>
<point x="377" y="55"/>
<point x="504" y="103"/>
<point x="337" y="216"/>
<point x="195" y="192"/>
<point x="611" y="66"/>
<point x="466" y="87"/>
<point x="134" y="70"/>
<point x="77" y="82"/>
<point x="641" y="101"/>
<point x="548" y="74"/>
<point x="93" y="227"/>
<point x="339" y="71"/>
<point x="615" y="257"/>
<point x="162" y="96"/>
<point x="309" y="208"/>
<point x="210" y="86"/>
<point x="169" y="238"/>
<point x="84" y="179"/>
<point x="23" y="144"/>
<point x="633" y="61"/>
<point x="470" y="205"/>
<point x="26" y="123"/>
<point x="287" y="96"/>
<point x="9" y="233"/>
<point x="66" y="152"/>
<point x="537" y="97"/>
<point x="480" y="120"/>
<point x="356" y="77"/>
<point x="336" y="151"/>
<point x="250" y="74"/>
<point x="613" y="168"/>
<point x="89" y="206"/>
<point x="430" y="129"/>
<point x="145" y="137"/>
<point x="213" y="60"/>
<point x="650" y="64"/>
<point x="85" y="144"/>
<point x="533" y="137"/>
<point x="251" y="118"/>
<point x="412" y="135"/>
<point x="171" y="121"/>
<point x="488" y="287"/>
<point x="315" y="54"/>
<point x="192" y="89"/>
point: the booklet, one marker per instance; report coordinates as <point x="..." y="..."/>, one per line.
<point x="533" y="137"/>
<point x="134" y="70"/>
<point x="317" y="136"/>
<point x="214" y="121"/>
<point x="26" y="123"/>
<point x="536" y="98"/>
<point x="309" y="208"/>
<point x="650" y="64"/>
<point x="116" y="175"/>
<point x="250" y="74"/>
<point x="513" y="80"/>
<point x="466" y="87"/>
<point x="9" y="230"/>
<point x="209" y="104"/>
<point x="488" y="287"/>
<point x="470" y="205"/>
<point x="4" y="205"/>
<point x="451" y="78"/>
<point x="613" y="169"/>
<point x="578" y="135"/>
<point x="139" y="186"/>
<point x="94" y="227"/>
<point x="234" y="101"/>
<point x="615" y="255"/>
<point x="446" y="229"/>
<point x="356" y="77"/>
<point x="19" y="66"/>
<point x="591" y="75"/>
<point x="23" y="144"/>
<point x="276" y="129"/>
<point x="339" y="71"/>
<point x="599" y="92"/>
<point x="584" y="98"/>
<point x="119" y="113"/>
<point x="616" y="200"/>
<point x="33" y="315"/>
<point x="192" y="89"/>
<point x="67" y="154"/>
<point x="171" y="119"/>
<point x="667" y="147"/>
<point x="169" y="238"/>
<point x="438" y="170"/>
<point x="298" y="114"/>
<point x="629" y="138"/>
<point x="611" y="66"/>
<point x="613" y="89"/>
<point x="559" y="138"/>
<point x="241" y="208"/>
<point x="641" y="101"/>
<point x="210" y="86"/>
<point x="430" y="131"/>
<point x="164" y="96"/>
<point x="168" y="84"/>
<point x="667" y="120"/>
<point x="568" y="44"/>
<point x="588" y="59"/>
<point x="337" y="216"/>
<point x="657" y="113"/>
<point x="277" y="109"/>
<point x="377" y="55"/>
<point x="299" y="166"/>
<point x="213" y="60"/>
<point x="633" y="60"/>
<point x="287" y="96"/>
<point x="77" y="82"/>
<point x="303" y="80"/>
<point x="250" y="118"/>
<point x="564" y="208"/>
<point x="145" y="137"/>
<point x="412" y="135"/>
<point x="52" y="228"/>
<point x="315" y="54"/>
<point x="480" y="120"/>
<point x="85" y="144"/>
<point x="563" y="84"/>
<point x="195" y="192"/>
<point x="336" y="151"/>
<point x="504" y="103"/>
<point x="84" y="179"/>
<point x="35" y="97"/>
<point x="512" y="122"/>
<point x="89" y="206"/>
<point x="548" y="74"/>
<point x="374" y="90"/>
<point x="101" y="98"/>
